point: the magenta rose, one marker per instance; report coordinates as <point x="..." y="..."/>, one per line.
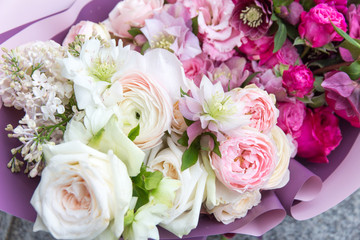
<point x="291" y="117"/>
<point x="340" y="5"/>
<point x="260" y="49"/>
<point x="320" y="134"/>
<point x="298" y="80"/>
<point x="343" y="96"/>
<point x="315" y="26"/>
<point x="286" y="55"/>
<point x="247" y="161"/>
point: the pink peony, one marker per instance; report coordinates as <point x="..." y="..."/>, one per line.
<point x="131" y="13"/>
<point x="247" y="161"/>
<point x="259" y="105"/>
<point x="252" y="17"/>
<point x="315" y="26"/>
<point x="219" y="38"/>
<point x="343" y="96"/>
<point x="196" y="67"/>
<point x="340" y="5"/>
<point x="291" y="117"/>
<point x="298" y="80"/>
<point x="320" y="134"/>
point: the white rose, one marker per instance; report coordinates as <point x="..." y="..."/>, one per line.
<point x="184" y="215"/>
<point x="281" y="174"/>
<point x="83" y="193"/>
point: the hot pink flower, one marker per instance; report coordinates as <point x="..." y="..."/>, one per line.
<point x="320" y="134"/>
<point x="343" y="96"/>
<point x="247" y="161"/>
<point x="291" y="117"/>
<point x="292" y="13"/>
<point x="286" y="55"/>
<point x="298" y="80"/>
<point x="315" y="26"/>
<point x="353" y="17"/>
<point x="260" y="49"/>
<point x="340" y="5"/>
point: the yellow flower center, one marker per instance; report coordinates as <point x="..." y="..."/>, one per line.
<point x="251" y="16"/>
<point x="163" y="41"/>
<point x="103" y="70"/>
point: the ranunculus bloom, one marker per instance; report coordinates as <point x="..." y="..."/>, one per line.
<point x="320" y="134"/>
<point x="131" y="13"/>
<point x="219" y="38"/>
<point x="247" y="161"/>
<point x="340" y="5"/>
<point x="259" y="105"/>
<point x="88" y="29"/>
<point x="353" y="17"/>
<point x="291" y="117"/>
<point x="298" y="80"/>
<point x="315" y="26"/>
<point x="252" y="17"/>
<point x="343" y="96"/>
<point x="82" y="194"/>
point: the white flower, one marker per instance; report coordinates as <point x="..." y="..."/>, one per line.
<point x="184" y="215"/>
<point x="82" y="194"/>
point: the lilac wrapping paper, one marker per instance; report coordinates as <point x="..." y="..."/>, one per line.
<point x="312" y="189"/>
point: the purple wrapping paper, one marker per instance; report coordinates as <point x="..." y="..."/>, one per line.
<point x="312" y="189"/>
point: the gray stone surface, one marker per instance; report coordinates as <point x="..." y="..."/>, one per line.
<point x="340" y="222"/>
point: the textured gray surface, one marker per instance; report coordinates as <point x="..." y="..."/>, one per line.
<point x="341" y="222"/>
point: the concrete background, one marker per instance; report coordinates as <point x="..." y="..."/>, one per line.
<point x="340" y="222"/>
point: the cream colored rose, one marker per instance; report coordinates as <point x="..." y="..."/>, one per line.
<point x="184" y="215"/>
<point x="281" y="175"/>
<point x="231" y="204"/>
<point x="83" y="193"/>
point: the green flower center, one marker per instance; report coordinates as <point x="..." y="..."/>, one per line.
<point x="220" y="107"/>
<point x="163" y="41"/>
<point x="103" y="70"/>
<point x="251" y="16"/>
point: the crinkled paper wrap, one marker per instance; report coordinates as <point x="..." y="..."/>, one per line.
<point x="312" y="189"/>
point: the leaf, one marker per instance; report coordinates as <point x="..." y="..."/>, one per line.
<point x="317" y="84"/>
<point x="134" y="132"/>
<point x="183" y="93"/>
<point x="279" y="3"/>
<point x="355" y="52"/>
<point x="129" y="217"/>
<point x="305" y="100"/>
<point x="299" y="41"/>
<point x="195" y="25"/>
<point x="280" y="36"/>
<point x="292" y="31"/>
<point x="183" y="141"/>
<point x="249" y="78"/>
<point x="318" y="101"/>
<point x="353" y="70"/>
<point x="134" y="31"/>
<point x="145" y="47"/>
<point x="346" y="36"/>
<point x="191" y="155"/>
<point x="188" y="122"/>
<point x="95" y="140"/>
<point x="142" y="195"/>
<point x="152" y="180"/>
<point x="307" y="4"/>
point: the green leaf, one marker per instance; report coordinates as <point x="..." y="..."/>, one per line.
<point x="134" y="132"/>
<point x="279" y="3"/>
<point x="183" y="93"/>
<point x="152" y="180"/>
<point x="305" y="100"/>
<point x="183" y="141"/>
<point x="188" y="122"/>
<point x="317" y="84"/>
<point x="134" y="31"/>
<point x="346" y="36"/>
<point x="280" y="36"/>
<point x="195" y="25"/>
<point x="355" y="52"/>
<point x="299" y="41"/>
<point x="249" y="78"/>
<point x="318" y="101"/>
<point x="191" y="155"/>
<point x="145" y="47"/>
<point x="129" y="217"/>
<point x="292" y="31"/>
<point x="142" y="196"/>
<point x="353" y="70"/>
<point x="307" y="4"/>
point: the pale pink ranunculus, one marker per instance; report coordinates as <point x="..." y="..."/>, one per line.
<point x="291" y="117"/>
<point x="259" y="105"/>
<point x="88" y="29"/>
<point x="219" y="38"/>
<point x="298" y="80"/>
<point x="247" y="161"/>
<point x="315" y="26"/>
<point x="320" y="134"/>
<point x="131" y="13"/>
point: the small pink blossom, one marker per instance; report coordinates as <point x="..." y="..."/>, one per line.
<point x="247" y="161"/>
<point x="291" y="117"/>
<point x="196" y="67"/>
<point x="320" y="134"/>
<point x="315" y="26"/>
<point x="298" y="80"/>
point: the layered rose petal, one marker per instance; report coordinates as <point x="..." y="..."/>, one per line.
<point x="291" y="117"/>
<point x="247" y="161"/>
<point x="298" y="80"/>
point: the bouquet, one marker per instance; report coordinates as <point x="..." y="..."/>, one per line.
<point x="183" y="115"/>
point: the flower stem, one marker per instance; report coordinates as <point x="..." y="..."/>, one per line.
<point x="331" y="67"/>
<point x="306" y="50"/>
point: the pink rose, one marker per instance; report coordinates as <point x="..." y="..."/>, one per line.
<point x="343" y="96"/>
<point x="315" y="26"/>
<point x="260" y="49"/>
<point x="196" y="67"/>
<point x="131" y="13"/>
<point x="291" y="117"/>
<point x="320" y="134"/>
<point x="259" y="105"/>
<point x="247" y="161"/>
<point x="298" y="81"/>
<point x="88" y="29"/>
<point x="340" y="5"/>
<point x="286" y="55"/>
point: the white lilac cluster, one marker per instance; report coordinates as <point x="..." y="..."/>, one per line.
<point x="30" y="80"/>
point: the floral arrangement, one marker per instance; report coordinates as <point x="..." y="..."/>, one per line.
<point x="170" y="110"/>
